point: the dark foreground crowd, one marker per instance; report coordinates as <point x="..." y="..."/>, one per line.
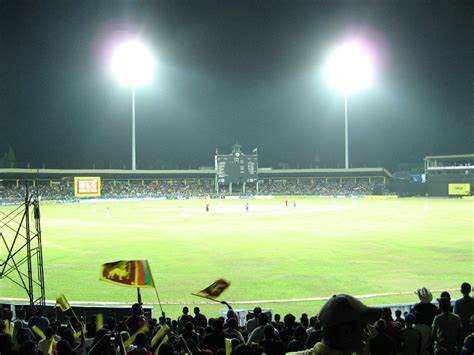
<point x="343" y="326"/>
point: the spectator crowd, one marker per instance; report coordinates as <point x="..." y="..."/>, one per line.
<point x="344" y="325"/>
<point x="318" y="187"/>
<point x="201" y="188"/>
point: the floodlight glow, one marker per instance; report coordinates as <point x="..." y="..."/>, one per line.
<point x="133" y="64"/>
<point x="350" y="67"/>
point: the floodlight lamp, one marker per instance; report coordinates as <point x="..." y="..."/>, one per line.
<point x="133" y="64"/>
<point x="350" y="67"/>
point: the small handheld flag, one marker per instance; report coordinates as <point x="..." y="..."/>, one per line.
<point x="157" y="339"/>
<point x="38" y="332"/>
<point x="228" y="346"/>
<point x="130" y="273"/>
<point x="52" y="347"/>
<point x="214" y="290"/>
<point x="99" y="321"/>
<point x="165" y="340"/>
<point x="62" y="303"/>
<point x="9" y="327"/>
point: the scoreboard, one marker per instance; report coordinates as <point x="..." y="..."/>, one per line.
<point x="236" y="168"/>
<point x="87" y="186"/>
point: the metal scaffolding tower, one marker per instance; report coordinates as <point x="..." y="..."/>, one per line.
<point x="21" y="255"/>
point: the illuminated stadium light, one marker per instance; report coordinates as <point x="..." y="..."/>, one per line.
<point x="349" y="68"/>
<point x="133" y="65"/>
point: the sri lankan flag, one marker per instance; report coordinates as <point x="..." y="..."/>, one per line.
<point x="214" y="290"/>
<point x="130" y="273"/>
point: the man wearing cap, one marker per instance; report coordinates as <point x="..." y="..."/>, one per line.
<point x="427" y="311"/>
<point x="344" y="322"/>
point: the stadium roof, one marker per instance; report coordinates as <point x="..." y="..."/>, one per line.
<point x="184" y="174"/>
<point x="447" y="157"/>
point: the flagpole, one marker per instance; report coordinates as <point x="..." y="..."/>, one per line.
<point x="213" y="299"/>
<point x="139" y="296"/>
<point x="156" y="290"/>
<point x="159" y="302"/>
<point x="74" y="314"/>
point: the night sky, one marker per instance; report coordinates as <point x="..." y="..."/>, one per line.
<point x="227" y="71"/>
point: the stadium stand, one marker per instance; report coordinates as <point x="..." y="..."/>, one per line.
<point x="178" y="188"/>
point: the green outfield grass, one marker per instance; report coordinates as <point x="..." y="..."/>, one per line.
<point x="318" y="248"/>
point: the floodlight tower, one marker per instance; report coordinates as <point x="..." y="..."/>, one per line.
<point x="349" y="68"/>
<point x="133" y="65"/>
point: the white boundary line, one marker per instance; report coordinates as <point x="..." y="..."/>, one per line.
<point x="290" y="300"/>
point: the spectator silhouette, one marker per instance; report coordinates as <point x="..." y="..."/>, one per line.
<point x="23" y="334"/>
<point x="446" y="329"/>
<point x="232" y="330"/>
<point x="200" y="319"/>
<point x="166" y="349"/>
<point x="446" y="294"/>
<point x="382" y="344"/>
<point x="344" y="322"/>
<point x="20" y="318"/>
<point x="426" y="337"/>
<point x="189" y="333"/>
<point x="136" y="320"/>
<point x="399" y="319"/>
<point x="271" y="344"/>
<point x="304" y="320"/>
<point x="392" y="328"/>
<point x="288" y="328"/>
<point x="91" y="327"/>
<point x="427" y="311"/>
<point x="298" y="342"/>
<point x="216" y="339"/>
<point x="39" y="319"/>
<point x="68" y="344"/>
<point x="185" y="317"/>
<point x="464" y="307"/>
<point x="258" y="333"/>
<point x="411" y="338"/>
<point x="253" y="322"/>
<point x="30" y="348"/>
<point x="468" y="346"/>
<point x="45" y="343"/>
<point x="314" y="333"/>
<point x="142" y="346"/>
<point x="6" y="344"/>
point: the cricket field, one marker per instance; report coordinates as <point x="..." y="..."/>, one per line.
<point x="291" y="256"/>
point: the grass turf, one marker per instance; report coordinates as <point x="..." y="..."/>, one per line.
<point x="318" y="248"/>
